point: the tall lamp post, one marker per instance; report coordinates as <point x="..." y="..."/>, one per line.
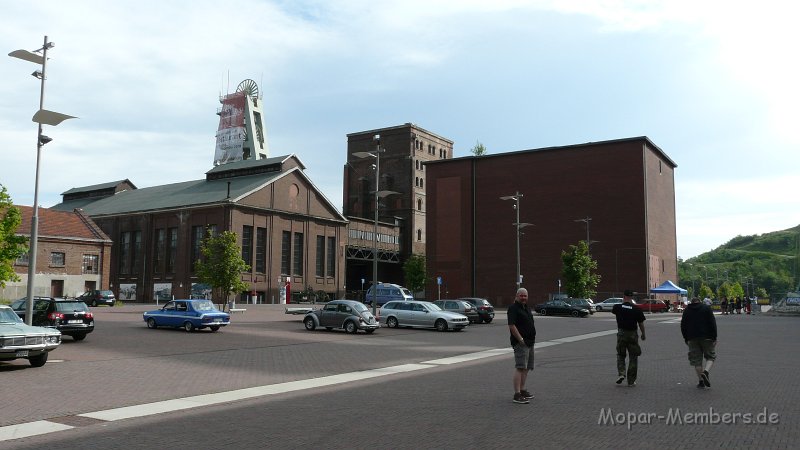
<point x="378" y="195"/>
<point x="519" y="226"/>
<point x="42" y="117"/>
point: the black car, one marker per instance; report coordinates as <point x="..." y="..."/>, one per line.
<point x="560" y="307"/>
<point x="485" y="309"/>
<point x="584" y="303"/>
<point x="98" y="297"/>
<point x="69" y="316"/>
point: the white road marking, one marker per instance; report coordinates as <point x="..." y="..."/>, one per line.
<point x="40" y="427"/>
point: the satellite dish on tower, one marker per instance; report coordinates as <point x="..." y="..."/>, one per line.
<point x="249" y="87"/>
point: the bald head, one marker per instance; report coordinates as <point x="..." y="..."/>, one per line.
<point x="522" y="295"/>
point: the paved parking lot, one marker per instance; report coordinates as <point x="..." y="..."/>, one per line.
<point x="577" y="404"/>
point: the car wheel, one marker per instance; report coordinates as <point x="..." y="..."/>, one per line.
<point x="351" y="327"/>
<point x="543" y="312"/>
<point x="440" y="325"/>
<point x="151" y="323"/>
<point x="310" y="324"/>
<point x="38" y="361"/>
<point x="94" y="303"/>
<point x="391" y="322"/>
<point x="79" y="336"/>
<point x="188" y="326"/>
<point x="214" y="328"/>
<point x="488" y="320"/>
<point x="599" y="309"/>
<point x="575" y="313"/>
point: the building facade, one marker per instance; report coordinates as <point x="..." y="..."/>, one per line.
<point x="404" y="151"/>
<point x="73" y="255"/>
<point x="286" y="229"/>
<point x="619" y="195"/>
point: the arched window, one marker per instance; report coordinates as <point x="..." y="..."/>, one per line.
<point x="416" y="182"/>
<point x="419" y="235"/>
<point x="419" y="204"/>
<point x="421" y="182"/>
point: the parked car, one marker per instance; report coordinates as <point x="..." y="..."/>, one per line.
<point x="560" y="307"/>
<point x="349" y="315"/>
<point x="485" y="309"/>
<point x="386" y="293"/>
<point x="607" y="304"/>
<point x="191" y="314"/>
<point x="68" y="315"/>
<point x="650" y="305"/>
<point x="585" y="303"/>
<point x="18" y="340"/>
<point x="98" y="297"/>
<point x="419" y="314"/>
<point x="461" y="307"/>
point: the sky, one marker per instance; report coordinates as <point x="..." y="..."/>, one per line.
<point x="712" y="83"/>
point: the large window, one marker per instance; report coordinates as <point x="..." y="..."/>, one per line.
<point x="173" y="249"/>
<point x="57" y="259"/>
<point x="261" y="250"/>
<point x="320" y="256"/>
<point x="247" y="245"/>
<point x="159" y="250"/>
<point x="124" y="252"/>
<point x="297" y="255"/>
<point x="90" y="264"/>
<point x="286" y="252"/>
<point x="136" y="252"/>
<point x="198" y="233"/>
<point x="331" y="254"/>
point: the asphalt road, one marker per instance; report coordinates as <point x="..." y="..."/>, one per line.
<point x="457" y="402"/>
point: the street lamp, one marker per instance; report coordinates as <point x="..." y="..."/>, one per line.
<point x="589" y="242"/>
<point x="519" y="226"/>
<point x="378" y="195"/>
<point x="42" y="117"/>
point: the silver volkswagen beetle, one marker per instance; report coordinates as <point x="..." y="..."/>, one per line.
<point x="349" y="315"/>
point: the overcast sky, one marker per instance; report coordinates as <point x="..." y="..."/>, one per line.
<point x="713" y="83"/>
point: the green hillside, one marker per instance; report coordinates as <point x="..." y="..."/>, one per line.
<point x="769" y="261"/>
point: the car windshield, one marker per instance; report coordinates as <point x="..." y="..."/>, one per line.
<point x="406" y="292"/>
<point x="360" y="307"/>
<point x="205" y="305"/>
<point x="106" y="293"/>
<point x="432" y="307"/>
<point x="9" y="316"/>
<point x="70" y="306"/>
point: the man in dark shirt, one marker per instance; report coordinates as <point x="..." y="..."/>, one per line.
<point x="523" y="336"/>
<point x="699" y="330"/>
<point x="628" y="318"/>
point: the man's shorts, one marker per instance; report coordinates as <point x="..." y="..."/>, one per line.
<point x="699" y="349"/>
<point x="523" y="356"/>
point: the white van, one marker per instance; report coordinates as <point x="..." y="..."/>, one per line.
<point x="387" y="292"/>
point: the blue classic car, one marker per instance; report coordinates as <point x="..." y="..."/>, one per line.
<point x="189" y="315"/>
<point x="18" y="340"/>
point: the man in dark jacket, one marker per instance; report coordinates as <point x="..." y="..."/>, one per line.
<point x="629" y="318"/>
<point x="699" y="329"/>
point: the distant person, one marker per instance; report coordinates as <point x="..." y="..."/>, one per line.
<point x="699" y="330"/>
<point x="738" y="305"/>
<point x="748" y="304"/>
<point x="523" y="336"/>
<point x="723" y="306"/>
<point x="628" y="318"/>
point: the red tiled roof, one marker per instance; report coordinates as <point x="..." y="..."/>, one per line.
<point x="71" y="224"/>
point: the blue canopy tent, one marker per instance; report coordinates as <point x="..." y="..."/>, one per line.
<point x="668" y="287"/>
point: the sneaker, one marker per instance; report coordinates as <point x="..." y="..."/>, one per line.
<point x="632" y="384"/>
<point x="519" y="398"/>
<point x="701" y="385"/>
<point x="526" y="395"/>
<point x="620" y="379"/>
<point x="704" y="378"/>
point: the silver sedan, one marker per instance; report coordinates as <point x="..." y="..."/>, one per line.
<point x="419" y="314"/>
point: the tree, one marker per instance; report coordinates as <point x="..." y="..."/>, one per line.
<point x="705" y="292"/>
<point x="479" y="149"/>
<point x="221" y="266"/>
<point x="415" y="272"/>
<point x="761" y="292"/>
<point x="12" y="246"/>
<point x="579" y="281"/>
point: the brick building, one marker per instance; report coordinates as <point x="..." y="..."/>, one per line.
<point x="286" y="229"/>
<point x="72" y="255"/>
<point x="405" y="149"/>
<point x="622" y="190"/>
